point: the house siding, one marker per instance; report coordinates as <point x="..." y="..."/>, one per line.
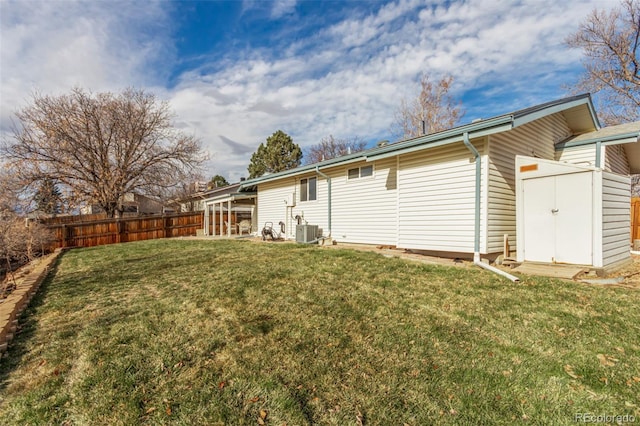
<point x="615" y="160"/>
<point x="271" y="202"/>
<point x="364" y="210"/>
<point x="536" y="139"/>
<point x="616" y="218"/>
<point x="581" y="155"/>
<point x="436" y="198"/>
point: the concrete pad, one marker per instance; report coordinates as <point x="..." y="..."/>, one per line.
<point x="568" y="272"/>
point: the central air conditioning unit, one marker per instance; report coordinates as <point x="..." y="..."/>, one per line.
<point x="306" y="233"/>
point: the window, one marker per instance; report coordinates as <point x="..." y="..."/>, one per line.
<point x="366" y="171"/>
<point x="308" y="190"/>
<point x="360" y="172"/>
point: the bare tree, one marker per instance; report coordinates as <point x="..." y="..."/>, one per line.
<point x="101" y="147"/>
<point x="329" y="148"/>
<point x="433" y="106"/>
<point x="20" y="240"/>
<point x="185" y="196"/>
<point x="610" y="44"/>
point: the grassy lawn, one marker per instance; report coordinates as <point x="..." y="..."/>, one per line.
<point x="234" y="332"/>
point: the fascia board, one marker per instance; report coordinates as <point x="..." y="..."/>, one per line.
<point x="609" y="140"/>
<point x="501" y="126"/>
<point x="519" y="121"/>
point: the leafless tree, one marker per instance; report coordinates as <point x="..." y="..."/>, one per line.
<point x="20" y="240"/>
<point x="433" y="106"/>
<point x="610" y="43"/>
<point x="330" y="147"/>
<point x="101" y="146"/>
<point x="182" y="197"/>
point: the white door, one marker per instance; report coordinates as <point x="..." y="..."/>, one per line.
<point x="558" y="218"/>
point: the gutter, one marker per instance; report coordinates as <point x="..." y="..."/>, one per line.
<point x="476" y="240"/>
<point x="328" y="196"/>
<point x="620" y="139"/>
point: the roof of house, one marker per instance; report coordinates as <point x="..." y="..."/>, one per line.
<point x="627" y="135"/>
<point x="577" y="110"/>
<point x="230" y="192"/>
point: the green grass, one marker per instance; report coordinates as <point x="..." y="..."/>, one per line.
<point x="234" y="332"/>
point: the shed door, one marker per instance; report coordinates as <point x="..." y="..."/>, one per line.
<point x="558" y="218"/>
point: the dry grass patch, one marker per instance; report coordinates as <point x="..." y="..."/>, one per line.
<point x="231" y="332"/>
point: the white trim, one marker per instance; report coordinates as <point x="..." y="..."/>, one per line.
<point x="596" y="219"/>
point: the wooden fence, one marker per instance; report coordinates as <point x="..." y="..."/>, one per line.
<point x="76" y="218"/>
<point x="112" y="231"/>
<point x="635" y="218"/>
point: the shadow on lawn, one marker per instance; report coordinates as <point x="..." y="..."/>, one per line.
<point x="27" y="326"/>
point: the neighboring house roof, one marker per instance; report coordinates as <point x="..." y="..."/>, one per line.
<point x="224" y="190"/>
<point x="627" y="134"/>
<point x="578" y="110"/>
<point x="218" y="193"/>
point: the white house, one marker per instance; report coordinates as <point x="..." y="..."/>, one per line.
<point x="454" y="192"/>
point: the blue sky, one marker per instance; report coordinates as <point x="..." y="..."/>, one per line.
<point x="234" y="72"/>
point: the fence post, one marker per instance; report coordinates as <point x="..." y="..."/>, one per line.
<point x="65" y="235"/>
<point x="165" y="226"/>
<point x="119" y="230"/>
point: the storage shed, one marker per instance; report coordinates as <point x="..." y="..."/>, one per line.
<point x="568" y="213"/>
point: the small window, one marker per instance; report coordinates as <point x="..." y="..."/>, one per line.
<point x="308" y="189"/>
<point x="360" y="172"/>
<point x="312" y="189"/>
<point x="303" y="190"/>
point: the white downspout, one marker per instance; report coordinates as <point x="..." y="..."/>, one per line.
<point x="328" y="198"/>
<point x="476" y="240"/>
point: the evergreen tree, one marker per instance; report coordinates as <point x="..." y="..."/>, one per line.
<point x="48" y="198"/>
<point x="218" y="181"/>
<point x="279" y="153"/>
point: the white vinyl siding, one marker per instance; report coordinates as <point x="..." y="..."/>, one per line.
<point x="364" y="209"/>
<point x="616" y="218"/>
<point x="613" y="157"/>
<point x="313" y="212"/>
<point x="272" y="197"/>
<point x="437" y="199"/>
<point x="274" y="200"/>
<point x="581" y="155"/>
<point x="534" y="139"/>
<point x="615" y="160"/>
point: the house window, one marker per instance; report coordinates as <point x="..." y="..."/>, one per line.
<point x="308" y="189"/>
<point x="360" y="172"/>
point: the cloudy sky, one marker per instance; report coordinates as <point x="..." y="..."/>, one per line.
<point x="234" y="72"/>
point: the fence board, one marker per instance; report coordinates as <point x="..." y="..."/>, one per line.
<point x="112" y="231"/>
<point x="635" y="218"/>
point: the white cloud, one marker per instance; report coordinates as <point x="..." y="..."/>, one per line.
<point x="345" y="79"/>
<point x="53" y="46"/>
<point x="281" y="8"/>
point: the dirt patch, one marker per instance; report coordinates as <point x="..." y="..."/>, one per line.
<point x="631" y="273"/>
